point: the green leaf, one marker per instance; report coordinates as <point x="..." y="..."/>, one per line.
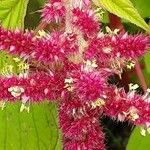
<point x="142" y="7"/>
<point x="36" y="130"/>
<point x="147" y="62"/>
<point x="12" y="13"/>
<point x="138" y="142"/>
<point x="125" y="10"/>
<point x="41" y="2"/>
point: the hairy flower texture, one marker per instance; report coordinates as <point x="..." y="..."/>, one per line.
<point x="16" y="42"/>
<point x="88" y="86"/>
<point x="53" y="11"/>
<point x="128" y="107"/>
<point x="94" y="140"/>
<point x="86" y="22"/>
<point x="131" y="46"/>
<point x="56" y="47"/>
<point x="47" y="50"/>
<point x="100" y="49"/>
<point x="36" y="87"/>
<point x="80" y="126"/>
<point x="82" y="4"/>
<point x="107" y="48"/>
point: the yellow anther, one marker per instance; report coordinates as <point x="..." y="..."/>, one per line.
<point x="107" y="50"/>
<point x="69" y="80"/>
<point x="130" y="65"/>
<point x="41" y="33"/>
<point x="23" y="66"/>
<point x="68" y="84"/>
<point x="110" y="32"/>
<point x="133" y="114"/>
<point x="99" y="13"/>
<point x="98" y="103"/>
<point x="143" y="132"/>
<point x="16" y="91"/>
<point x="16" y="59"/>
<point x="133" y="86"/>
<point x="90" y="65"/>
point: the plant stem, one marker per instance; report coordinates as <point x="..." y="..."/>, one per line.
<point x="41" y="26"/>
<point x="115" y="22"/>
<point x="140" y="75"/>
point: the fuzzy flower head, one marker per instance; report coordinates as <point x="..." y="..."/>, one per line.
<point x="48" y="49"/>
<point x="16" y="42"/>
<point x="131" y="46"/>
<point x="86" y="22"/>
<point x="88" y="85"/>
<point x="100" y="49"/>
<point x="53" y="12"/>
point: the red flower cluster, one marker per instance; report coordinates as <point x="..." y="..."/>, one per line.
<point x="86" y="22"/>
<point x="128" y="106"/>
<point x="16" y="42"/>
<point x="125" y="46"/>
<point x="73" y="69"/>
<point x="49" y="49"/>
<point x="36" y="87"/>
<point x="53" y="11"/>
<point x="45" y="50"/>
<point x="89" y="86"/>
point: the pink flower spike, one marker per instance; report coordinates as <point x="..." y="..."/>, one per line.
<point x="132" y="46"/>
<point x="88" y="86"/>
<point x="16" y="42"/>
<point x="86" y="22"/>
<point x="53" y="12"/>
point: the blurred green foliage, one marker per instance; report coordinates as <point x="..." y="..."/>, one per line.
<point x="138" y="142"/>
<point x="124" y="9"/>
<point x="36" y="130"/>
<point x="143" y="7"/>
<point x="12" y="13"/>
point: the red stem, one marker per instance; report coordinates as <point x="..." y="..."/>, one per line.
<point x="140" y="75"/>
<point x="41" y="26"/>
<point x="115" y="22"/>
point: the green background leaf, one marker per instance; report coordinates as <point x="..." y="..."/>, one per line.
<point x="147" y="62"/>
<point x="36" y="130"/>
<point x="125" y="10"/>
<point x="143" y="7"/>
<point x="12" y="13"/>
<point x="138" y="142"/>
<point x="32" y="18"/>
